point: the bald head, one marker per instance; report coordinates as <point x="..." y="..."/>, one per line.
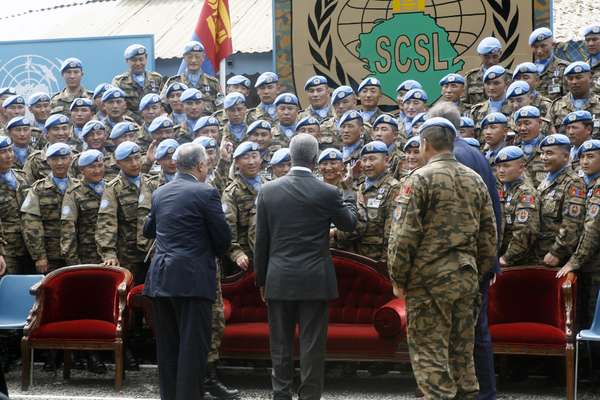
<point x="446" y="110"/>
<point x="304" y="150"/>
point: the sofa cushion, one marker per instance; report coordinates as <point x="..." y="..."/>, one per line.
<point x="527" y="333"/>
<point x="390" y="319"/>
<point x="82" y="329"/>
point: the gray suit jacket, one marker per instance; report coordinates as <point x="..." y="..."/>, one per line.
<point x="293" y="217"/>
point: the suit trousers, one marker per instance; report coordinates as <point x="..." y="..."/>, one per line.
<point x="312" y="317"/>
<point x="183" y="329"/>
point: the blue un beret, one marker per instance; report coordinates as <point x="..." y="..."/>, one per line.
<point x="258" y="124"/>
<point x="577" y="67"/>
<point x="239" y="80"/>
<point x="70" y="63"/>
<point x="348" y="116"/>
<point x="89" y="157"/>
<point x="591" y="30"/>
<point x="370" y="81"/>
<point x="18" y="121"/>
<point x="307" y="121"/>
<point x="100" y="89"/>
<point x="161" y="122"/>
<point x="374" y="147"/>
<point x="57" y="150"/>
<point x="14" y="99"/>
<point x="167" y="146"/>
<point x="341" y="92"/>
<point x="416" y="94"/>
<point x="558" y="139"/>
<point x="414" y="141"/>
<point x="493" y="72"/>
<point x="5" y="142"/>
<point x="452" y="78"/>
<point x="517" y="88"/>
<point x="125" y="150"/>
<point x="148" y="100"/>
<point x="466" y="122"/>
<point x="245" y="147"/>
<point x="281" y="155"/>
<point x="408" y="85"/>
<point x="438" y="121"/>
<point x="191" y="46"/>
<point x="419" y="118"/>
<point x="134" y="50"/>
<point x="175" y="87"/>
<point x="123" y="128"/>
<point x="38" y="97"/>
<point x="191" y="94"/>
<point x="93" y="125"/>
<point x="489" y="45"/>
<point x="540" y="34"/>
<point x="330" y="154"/>
<point x="494" y="118"/>
<point x="526" y="112"/>
<point x="525" y="68"/>
<point x="55" y="120"/>
<point x="509" y="153"/>
<point x="471" y="141"/>
<point x="286" y="98"/>
<point x="8" y="90"/>
<point x="113" y="93"/>
<point x="385" y="119"/>
<point x="81" y="102"/>
<point x="578" y="116"/>
<point x="266" y="78"/>
<point x="315" y="81"/>
<point x="205" y="121"/>
<point x="589" y="145"/>
<point x="233" y="99"/>
<point x="206" y="141"/>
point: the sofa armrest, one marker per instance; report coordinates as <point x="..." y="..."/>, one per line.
<point x="390" y="319"/>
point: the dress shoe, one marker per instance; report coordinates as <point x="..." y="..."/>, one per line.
<point x="216" y="388"/>
<point x="131" y="363"/>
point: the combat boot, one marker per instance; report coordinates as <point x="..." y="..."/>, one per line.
<point x="216" y="388"/>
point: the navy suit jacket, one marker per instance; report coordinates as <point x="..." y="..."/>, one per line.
<point x="190" y="229"/>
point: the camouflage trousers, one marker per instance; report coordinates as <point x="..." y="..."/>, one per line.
<point x="21" y="265"/>
<point x="218" y="322"/>
<point x="441" y="334"/>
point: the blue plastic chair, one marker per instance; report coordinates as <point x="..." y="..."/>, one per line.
<point x="588" y="335"/>
<point x="15" y="300"/>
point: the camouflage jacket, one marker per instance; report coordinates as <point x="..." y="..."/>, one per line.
<point x="10" y="215"/>
<point x="36" y="167"/>
<point x="40" y="219"/>
<point x="595" y="78"/>
<point x="111" y="170"/>
<point x="257" y="113"/>
<point x="561" y="216"/>
<point x="551" y="84"/>
<point x="584" y="258"/>
<point x="534" y="169"/>
<point x="208" y="85"/>
<point x="521" y="223"/>
<point x="480" y="110"/>
<point x="310" y="112"/>
<point x="227" y="135"/>
<point x="330" y="135"/>
<point x="442" y="222"/>
<point x="134" y="92"/>
<point x="60" y="102"/>
<point x="279" y="137"/>
<point x="152" y="182"/>
<point x="563" y="106"/>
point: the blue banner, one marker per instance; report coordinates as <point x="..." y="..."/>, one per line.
<point x="34" y="65"/>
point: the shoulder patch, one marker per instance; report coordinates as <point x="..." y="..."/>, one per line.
<point x="224" y="206"/>
<point x="103" y="204"/>
<point x="576" y="192"/>
<point x="522" y="216"/>
<point x="66" y="210"/>
<point x="527" y="198"/>
<point x="574" y="210"/>
<point x="593" y="210"/>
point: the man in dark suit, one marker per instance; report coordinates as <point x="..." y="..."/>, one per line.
<point x="187" y="221"/>
<point x="293" y="265"/>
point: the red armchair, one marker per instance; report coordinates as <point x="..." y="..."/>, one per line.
<point x="532" y="313"/>
<point x="77" y="308"/>
<point x="366" y="322"/>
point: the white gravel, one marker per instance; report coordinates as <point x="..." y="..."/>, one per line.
<point x="570" y="16"/>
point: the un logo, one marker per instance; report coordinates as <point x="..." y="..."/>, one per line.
<point x="30" y="73"/>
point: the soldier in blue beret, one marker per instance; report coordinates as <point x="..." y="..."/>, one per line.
<point x="385" y="129"/>
<point x="240" y="84"/>
<point x="352" y="135"/>
<point x="194" y="108"/>
<point x="413" y="103"/>
<point x="115" y="107"/>
<point x="150" y="107"/>
<point x="208" y="126"/>
<point x="39" y="105"/>
<point x="369" y="93"/>
<point x="19" y="131"/>
<point x="319" y="98"/>
<point x="413" y="159"/>
<point x="287" y="107"/>
<point x="529" y="129"/>
<point x="522" y="93"/>
<point x="267" y="89"/>
<point x="490" y="52"/>
<point x="343" y="99"/>
<point x="473" y="142"/>
<point x="72" y="73"/>
<point x="218" y="166"/>
<point x="235" y="111"/>
<point x="162" y="128"/>
<point x="14" y="106"/>
<point x="123" y="132"/>
<point x="260" y="132"/>
<point x="97" y="99"/>
<point x="578" y="127"/>
<point x="164" y="158"/>
<point x="495" y="82"/>
<point x="171" y="95"/>
<point x="401" y="90"/>
<point x="591" y="35"/>
<point x="94" y="136"/>
<point x="452" y="88"/>
<point x="494" y="128"/>
<point x="280" y="163"/>
<point x="312" y="126"/>
<point x="331" y="170"/>
<point x="467" y="128"/>
<point x="81" y="112"/>
<point x="549" y="67"/>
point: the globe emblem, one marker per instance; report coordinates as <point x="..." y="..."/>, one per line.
<point x="30" y="73"/>
<point x="457" y="17"/>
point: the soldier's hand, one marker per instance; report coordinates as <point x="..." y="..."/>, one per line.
<point x="332" y="233"/>
<point x="2" y="265"/>
<point x="243" y="262"/>
<point x="568" y="267"/>
<point x="262" y="293"/>
<point x="150" y="154"/>
<point x="399" y="293"/>
<point x="41" y="265"/>
<point x="356" y="169"/>
<point x="111" y="262"/>
<point x="551" y="260"/>
<point x="502" y="262"/>
<point x="225" y="150"/>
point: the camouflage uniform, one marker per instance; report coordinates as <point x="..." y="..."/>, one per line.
<point x="60" y="102"/>
<point x="41" y="224"/>
<point x="10" y="222"/>
<point x="134" y="92"/>
<point x="144" y="139"/>
<point x="116" y="229"/>
<point x="595" y="77"/>
<point x="563" y="106"/>
<point x="111" y="170"/>
<point x="78" y="225"/>
<point x="561" y="216"/>
<point x="208" y="85"/>
<point x="152" y="182"/>
<point x="442" y="242"/>
<point x="279" y="137"/>
<point x="542" y="103"/>
<point x="480" y="110"/>
<point x="219" y="177"/>
<point x="373" y="117"/>
<point x="330" y="135"/>
<point x="474" y="90"/>
<point x="18" y="164"/>
<point x="310" y="112"/>
<point x="36" y="167"/>
<point x="257" y="113"/>
<point x="226" y="135"/>
<point x="521" y="223"/>
<point x="534" y="168"/>
<point x="551" y="80"/>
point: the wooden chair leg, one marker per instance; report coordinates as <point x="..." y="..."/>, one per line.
<point x="570" y="371"/>
<point x="67" y="364"/>
<point x="119" y="366"/>
<point x="26" y="361"/>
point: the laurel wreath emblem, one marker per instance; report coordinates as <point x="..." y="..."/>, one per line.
<point x="321" y="46"/>
<point x="506" y="27"/>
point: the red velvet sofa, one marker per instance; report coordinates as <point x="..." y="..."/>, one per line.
<point x="366" y="322"/>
